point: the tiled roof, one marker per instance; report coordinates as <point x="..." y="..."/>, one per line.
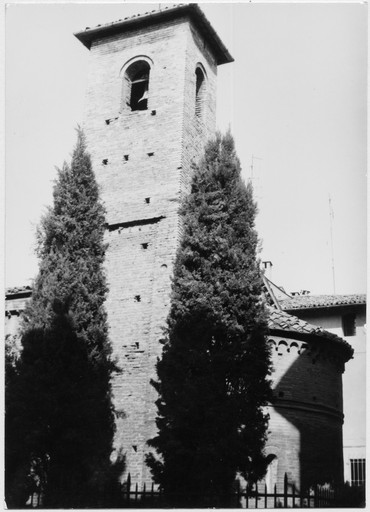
<point x="281" y="321"/>
<point x="15" y="290"/>
<point x="166" y="12"/>
<point x="134" y="16"/>
<point x="321" y="301"/>
<point x="278" y="320"/>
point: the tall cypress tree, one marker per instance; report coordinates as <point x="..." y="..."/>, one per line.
<point x="59" y="412"/>
<point x="213" y="375"/>
<point x="71" y="251"/>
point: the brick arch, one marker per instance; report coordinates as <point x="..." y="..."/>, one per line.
<point x="200" y="89"/>
<point x="272" y="343"/>
<point x="282" y="347"/>
<point x="294" y="347"/>
<point x="135" y="76"/>
<point x="134" y="59"/>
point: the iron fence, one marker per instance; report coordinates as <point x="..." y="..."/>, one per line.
<point x="251" y="496"/>
<point x="256" y="496"/>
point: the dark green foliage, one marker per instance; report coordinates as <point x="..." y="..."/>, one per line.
<point x="71" y="251"/>
<point x="58" y="397"/>
<point x="60" y="407"/>
<point x="213" y="374"/>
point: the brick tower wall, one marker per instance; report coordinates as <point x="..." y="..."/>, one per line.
<point x="141" y="193"/>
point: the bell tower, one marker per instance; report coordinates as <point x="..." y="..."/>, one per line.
<point x="150" y="109"/>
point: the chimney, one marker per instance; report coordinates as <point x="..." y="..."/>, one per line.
<point x="267" y="266"/>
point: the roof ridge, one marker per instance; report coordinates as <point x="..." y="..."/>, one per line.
<point x="138" y="15"/>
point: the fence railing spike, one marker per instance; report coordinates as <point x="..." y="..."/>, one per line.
<point x="315" y="495"/>
<point x="256" y="494"/>
<point x="265" y="495"/>
<point x="285" y="491"/>
<point x="128" y="488"/>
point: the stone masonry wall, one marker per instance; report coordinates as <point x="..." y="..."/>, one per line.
<point x="141" y="192"/>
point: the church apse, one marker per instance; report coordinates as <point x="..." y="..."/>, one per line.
<point x="306" y="417"/>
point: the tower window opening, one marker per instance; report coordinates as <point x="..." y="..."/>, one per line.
<point x="139" y="92"/>
<point x="136" y="85"/>
<point x="199" y="91"/>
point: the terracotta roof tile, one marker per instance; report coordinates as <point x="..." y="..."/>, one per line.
<point x="320" y="301"/>
<point x="222" y="54"/>
<point x="18" y="289"/>
<point x="280" y="320"/>
<point x="147" y="13"/>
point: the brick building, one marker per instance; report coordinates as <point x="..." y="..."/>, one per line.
<point x="150" y="108"/>
<point x="306" y="417"/>
<point x="345" y="316"/>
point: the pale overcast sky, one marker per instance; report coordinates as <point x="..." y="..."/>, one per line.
<point x="295" y="98"/>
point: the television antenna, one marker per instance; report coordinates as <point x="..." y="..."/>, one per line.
<point x="252" y="165"/>
<point x="255" y="179"/>
<point x="331" y="218"/>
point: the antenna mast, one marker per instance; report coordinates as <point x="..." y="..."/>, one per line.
<point x="331" y="217"/>
<point x="254" y="180"/>
<point x="252" y="165"/>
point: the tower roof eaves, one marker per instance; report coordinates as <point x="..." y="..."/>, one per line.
<point x="193" y="10"/>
